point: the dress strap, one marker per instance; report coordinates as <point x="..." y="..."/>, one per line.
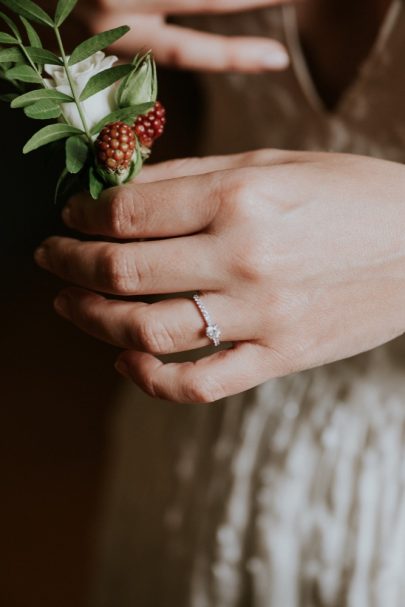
<point x="299" y="62"/>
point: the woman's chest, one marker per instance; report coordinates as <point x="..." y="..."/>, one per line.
<point x="285" y="110"/>
<point x="337" y="37"/>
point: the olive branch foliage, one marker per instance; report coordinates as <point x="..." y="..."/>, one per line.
<point x="22" y="61"/>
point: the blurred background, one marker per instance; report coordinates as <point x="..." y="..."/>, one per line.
<point x="57" y="385"/>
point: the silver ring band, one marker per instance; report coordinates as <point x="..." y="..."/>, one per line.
<point x="212" y="331"/>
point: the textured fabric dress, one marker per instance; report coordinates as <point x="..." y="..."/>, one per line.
<point x="291" y="494"/>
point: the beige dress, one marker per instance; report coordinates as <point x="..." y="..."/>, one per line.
<point x="292" y="494"/>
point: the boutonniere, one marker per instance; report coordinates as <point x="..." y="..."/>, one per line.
<point x="106" y="114"/>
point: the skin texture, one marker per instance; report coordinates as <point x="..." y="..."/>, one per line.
<point x="181" y="47"/>
<point x="300" y="258"/>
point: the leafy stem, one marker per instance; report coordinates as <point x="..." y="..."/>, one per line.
<point x="32" y="64"/>
<point x="72" y="87"/>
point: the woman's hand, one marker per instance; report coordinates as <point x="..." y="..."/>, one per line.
<point x="181" y="47"/>
<point x="300" y="258"/>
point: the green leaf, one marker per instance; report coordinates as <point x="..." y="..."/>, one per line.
<point x="124" y="114"/>
<point x="38" y="95"/>
<point x="77" y="152"/>
<point x="63" y="10"/>
<point x="43" y="110"/>
<point x="33" y="37"/>
<point x="7" y="39"/>
<point x="24" y="73"/>
<point x="41" y="56"/>
<point x="96" y="186"/>
<point x="11" y="55"/>
<point x="11" y="25"/>
<point x="97" y="43"/>
<point x="30" y="10"/>
<point x="50" y="133"/>
<point x="104" y="79"/>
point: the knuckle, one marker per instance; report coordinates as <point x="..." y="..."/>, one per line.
<point x="202" y="390"/>
<point x="254" y="156"/>
<point x="115" y="270"/>
<point x="251" y="262"/>
<point x="120" y="209"/>
<point x="238" y="191"/>
<point x="155" y="338"/>
<point x="176" y="56"/>
<point x="238" y="195"/>
<point x="234" y="57"/>
<point x="131" y="333"/>
<point x="149" y="387"/>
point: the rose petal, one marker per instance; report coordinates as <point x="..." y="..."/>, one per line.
<point x="96" y="107"/>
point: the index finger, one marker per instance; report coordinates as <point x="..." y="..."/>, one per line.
<point x="191" y="49"/>
<point x="161" y="209"/>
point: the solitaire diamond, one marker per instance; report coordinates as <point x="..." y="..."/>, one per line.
<point x="213" y="332"/>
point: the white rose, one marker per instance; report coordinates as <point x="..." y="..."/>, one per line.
<point x="96" y="107"/>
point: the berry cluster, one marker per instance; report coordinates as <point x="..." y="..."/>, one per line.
<point x="150" y="127"/>
<point x="116" y="143"/>
<point x="115" y="147"/>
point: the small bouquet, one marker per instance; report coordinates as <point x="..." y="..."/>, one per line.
<point x="106" y="114"/>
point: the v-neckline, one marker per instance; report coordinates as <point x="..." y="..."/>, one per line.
<point x="300" y="65"/>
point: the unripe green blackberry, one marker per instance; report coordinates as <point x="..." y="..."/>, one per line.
<point x="115" y="147"/>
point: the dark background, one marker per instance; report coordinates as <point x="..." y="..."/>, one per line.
<point x="57" y="385"/>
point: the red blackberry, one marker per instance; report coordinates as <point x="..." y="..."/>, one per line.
<point x="151" y="126"/>
<point x="115" y="147"/>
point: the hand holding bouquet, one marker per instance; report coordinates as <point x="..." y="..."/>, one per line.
<point x="106" y="113"/>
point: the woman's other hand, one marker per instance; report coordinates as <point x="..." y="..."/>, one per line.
<point x="176" y="46"/>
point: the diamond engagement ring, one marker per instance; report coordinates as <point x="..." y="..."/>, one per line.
<point x="213" y="332"/>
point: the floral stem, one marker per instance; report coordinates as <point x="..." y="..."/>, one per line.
<point x="34" y="67"/>
<point x="72" y="87"/>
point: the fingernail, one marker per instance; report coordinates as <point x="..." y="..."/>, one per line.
<point x="61" y="304"/>
<point x="67" y="215"/>
<point x="123" y="369"/>
<point x="41" y="257"/>
<point x="275" y="59"/>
